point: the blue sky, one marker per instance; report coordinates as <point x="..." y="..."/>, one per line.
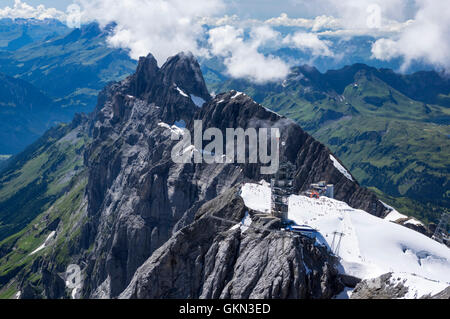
<point x="261" y="9"/>
<point x="58" y="4"/>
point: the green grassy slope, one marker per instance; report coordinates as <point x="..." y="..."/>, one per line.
<point x="37" y="177"/>
<point x="42" y="190"/>
<point x="18" y="256"/>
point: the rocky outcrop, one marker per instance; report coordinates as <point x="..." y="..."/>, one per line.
<point x="399" y="286"/>
<point x="379" y="288"/>
<point x="212" y="259"/>
<point x="137" y="195"/>
<point x="443" y="294"/>
<point x="415" y="225"/>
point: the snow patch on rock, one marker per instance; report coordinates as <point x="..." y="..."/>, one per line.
<point x="418" y="287"/>
<point x="237" y="95"/>
<point x="174" y="129"/>
<point x="182" y="92"/>
<point x="415" y="222"/>
<point x="245" y="223"/>
<point x="257" y="196"/>
<point x="47" y="241"/>
<point x="341" y="168"/>
<point x="394" y="216"/>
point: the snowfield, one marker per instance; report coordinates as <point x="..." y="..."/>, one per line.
<point x="370" y="246"/>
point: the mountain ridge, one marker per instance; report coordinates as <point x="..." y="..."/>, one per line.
<point x="26" y="113"/>
<point x="389" y="141"/>
<point x="70" y="67"/>
<point x="129" y="198"/>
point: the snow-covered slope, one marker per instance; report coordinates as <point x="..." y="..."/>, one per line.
<point x="370" y="246"/>
<point x="257" y="196"/>
<point x="417" y="286"/>
<point x="395" y="216"/>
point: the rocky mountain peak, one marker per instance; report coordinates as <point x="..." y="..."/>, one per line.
<point x="178" y="87"/>
<point x="184" y="71"/>
<point x="145" y="75"/>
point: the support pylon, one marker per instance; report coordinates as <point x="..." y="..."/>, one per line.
<point x="335" y="250"/>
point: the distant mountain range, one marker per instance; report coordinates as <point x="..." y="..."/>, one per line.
<point x="58" y="71"/>
<point x="390" y="130"/>
<point x="18" y="33"/>
<point x="70" y="68"/>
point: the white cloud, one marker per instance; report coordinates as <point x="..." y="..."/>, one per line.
<point x="325" y="22"/>
<point x="355" y="14"/>
<point x="411" y="29"/>
<point x="262" y="34"/>
<point x="242" y="58"/>
<point x="219" y="21"/>
<point x="387" y="29"/>
<point x="162" y="27"/>
<point x="385" y="49"/>
<point x="23" y="10"/>
<point x="318" y="23"/>
<point x="309" y="42"/>
<point x="424" y="39"/>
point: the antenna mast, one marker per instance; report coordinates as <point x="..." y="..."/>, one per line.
<point x="282" y="187"/>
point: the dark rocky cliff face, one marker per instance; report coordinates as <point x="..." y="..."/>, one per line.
<point x="311" y="158"/>
<point x="147" y="233"/>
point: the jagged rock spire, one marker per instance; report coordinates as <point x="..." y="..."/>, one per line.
<point x="171" y="87"/>
<point x="184" y="71"/>
<point x="145" y="75"/>
<point x="181" y="70"/>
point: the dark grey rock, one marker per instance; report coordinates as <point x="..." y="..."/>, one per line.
<point x="443" y="294"/>
<point x="212" y="259"/>
<point x="379" y="288"/>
